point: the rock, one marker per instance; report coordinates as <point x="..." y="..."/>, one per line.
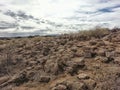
<point x="74" y="66"/>
<point x="30" y="75"/>
<point x="91" y="84"/>
<point x="20" y="79"/>
<point x="117" y="52"/>
<point x="100" y="43"/>
<point x="61" y="50"/>
<point x="80" y="45"/>
<point x="44" y="79"/>
<point x="31" y="63"/>
<point x="60" y="87"/>
<point x="79" y="86"/>
<point x="69" y="70"/>
<point x="48" y="66"/>
<point x="89" y="54"/>
<point x="110" y="54"/>
<point x="83" y="76"/>
<point x="74" y="49"/>
<point x="79" y="53"/>
<point x="107" y="59"/>
<point x="3" y="79"/>
<point x="45" y="50"/>
<point x="93" y="42"/>
<point x="117" y="60"/>
<point x="96" y="66"/>
<point x="101" y="52"/>
<point x="54" y="67"/>
<point x="28" y="68"/>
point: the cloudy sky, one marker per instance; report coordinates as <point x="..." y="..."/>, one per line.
<point x="86" y="12"/>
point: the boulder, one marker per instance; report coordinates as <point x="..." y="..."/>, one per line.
<point x="75" y="65"/>
<point x="44" y="79"/>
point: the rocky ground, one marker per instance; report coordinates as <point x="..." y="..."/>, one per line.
<point x="88" y="61"/>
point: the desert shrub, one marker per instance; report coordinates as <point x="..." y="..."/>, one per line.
<point x="6" y="60"/>
<point x="115" y="29"/>
<point x="86" y="34"/>
<point x="96" y="33"/>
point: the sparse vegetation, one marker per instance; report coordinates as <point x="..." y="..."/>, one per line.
<point x="96" y="33"/>
<point x="62" y="63"/>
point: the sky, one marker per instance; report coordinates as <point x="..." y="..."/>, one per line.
<point x="86" y="12"/>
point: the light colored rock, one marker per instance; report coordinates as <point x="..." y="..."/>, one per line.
<point x="4" y="79"/>
<point x="60" y="87"/>
<point x="83" y="76"/>
<point x="110" y="54"/>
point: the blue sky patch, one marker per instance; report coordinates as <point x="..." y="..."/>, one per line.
<point x="105" y="10"/>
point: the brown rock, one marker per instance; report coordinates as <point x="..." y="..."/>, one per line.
<point x="44" y="79"/>
<point x="54" y="67"/>
<point x="100" y="43"/>
<point x="80" y="45"/>
<point x="117" y="60"/>
<point x="20" y="78"/>
<point x="31" y="63"/>
<point x="93" y="42"/>
<point x="79" y="53"/>
<point x="60" y="87"/>
<point x="106" y="59"/>
<point x="101" y="52"/>
<point x="89" y="54"/>
<point x="79" y="86"/>
<point x="75" y="65"/>
<point x="4" y="79"/>
<point x="74" y="49"/>
<point x="90" y="83"/>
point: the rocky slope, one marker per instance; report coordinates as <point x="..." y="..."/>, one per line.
<point x="89" y="60"/>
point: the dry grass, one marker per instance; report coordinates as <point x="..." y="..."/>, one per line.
<point x="97" y="32"/>
<point x="87" y="34"/>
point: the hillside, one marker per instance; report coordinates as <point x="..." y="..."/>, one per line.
<point x="88" y="60"/>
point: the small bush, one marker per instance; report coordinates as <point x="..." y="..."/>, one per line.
<point x="6" y="60"/>
<point x="87" y="34"/>
<point x="96" y="33"/>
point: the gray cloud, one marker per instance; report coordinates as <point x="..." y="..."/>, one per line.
<point x="60" y="14"/>
<point x="20" y="2"/>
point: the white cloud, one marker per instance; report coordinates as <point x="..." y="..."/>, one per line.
<point x="69" y="12"/>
